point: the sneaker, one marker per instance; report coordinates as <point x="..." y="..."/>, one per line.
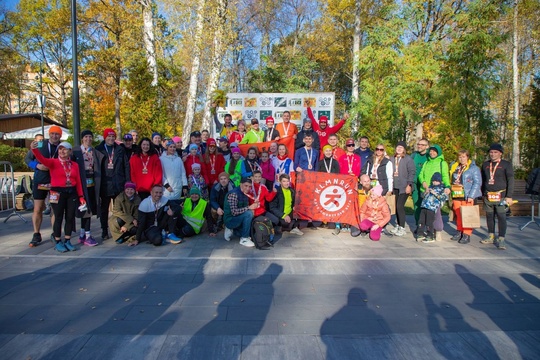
<point x="501" y="245"/>
<point x="90" y="241"/>
<point x="82" y="238"/>
<point x="490" y="239"/>
<point x="53" y="239"/>
<point x="336" y="231"/>
<point x="105" y="234"/>
<point x="296" y="231"/>
<point x="394" y="230"/>
<point x="420" y="238"/>
<point x="228" y="234"/>
<point x="173" y="239"/>
<point x="400" y="231"/>
<point x="68" y="246"/>
<point x="36" y="239"/>
<point x="428" y="239"/>
<point x="47" y="211"/>
<point x="60" y="247"/>
<point x="465" y="239"/>
<point x="246" y="242"/>
<point x="386" y="232"/>
<point x="457" y="236"/>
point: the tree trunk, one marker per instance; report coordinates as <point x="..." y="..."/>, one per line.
<point x="516" y="161"/>
<point x="356" y="60"/>
<point x="215" y="69"/>
<point x="149" y="38"/>
<point x="117" y="106"/>
<point x="194" y="76"/>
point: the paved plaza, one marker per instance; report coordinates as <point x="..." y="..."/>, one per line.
<point x="318" y="296"/>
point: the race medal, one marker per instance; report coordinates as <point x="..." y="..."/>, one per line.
<point x="310" y="167"/>
<point x="145" y="171"/>
<point x="491" y="181"/>
<point x="110" y="166"/>
<point x="396" y="174"/>
<point x="68" y="183"/>
<point x="212" y="171"/>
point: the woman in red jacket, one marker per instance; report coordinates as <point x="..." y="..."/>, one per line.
<point x="66" y="192"/>
<point x="145" y="168"/>
<point x="214" y="163"/>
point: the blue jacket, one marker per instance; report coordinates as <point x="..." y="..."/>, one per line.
<point x="301" y="159"/>
<point x="471" y="179"/>
<point x="434" y="201"/>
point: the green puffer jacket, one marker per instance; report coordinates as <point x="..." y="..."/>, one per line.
<point x="431" y="166"/>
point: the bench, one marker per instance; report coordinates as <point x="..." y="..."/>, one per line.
<point x="523" y="205"/>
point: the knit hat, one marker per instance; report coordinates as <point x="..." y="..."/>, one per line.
<point x="269" y="119"/>
<point x="377" y="190"/>
<point x="195" y="166"/>
<point x="211" y="142"/>
<point x="307" y="120"/>
<point x="169" y="143"/>
<point x="193" y="146"/>
<point x="327" y="147"/>
<point x="195" y="191"/>
<point x="154" y="134"/>
<point x="176" y="139"/>
<point x="107" y="132"/>
<point x="436" y="177"/>
<point x="235" y="150"/>
<point x="402" y="143"/>
<point x="128" y="137"/>
<point x="65" y="144"/>
<point x="234" y="144"/>
<point x="497" y="147"/>
<point x="86" y="132"/>
<point x="323" y="120"/>
<point x="195" y="133"/>
<point x="226" y="174"/>
<point x="55" y="129"/>
<point x="245" y="180"/>
<point x="130" y="185"/>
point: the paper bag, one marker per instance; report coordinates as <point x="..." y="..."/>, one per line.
<point x="391" y="201"/>
<point x="470" y="216"/>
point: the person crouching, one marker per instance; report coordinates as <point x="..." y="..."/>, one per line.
<point x="374" y="213"/>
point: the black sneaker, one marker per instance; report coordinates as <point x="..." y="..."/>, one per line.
<point x="465" y="239"/>
<point x="36" y="239"/>
<point x="457" y="236"/>
<point x="105" y="235"/>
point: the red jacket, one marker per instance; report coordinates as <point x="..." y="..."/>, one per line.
<point x="219" y="166"/>
<point x="329" y="130"/>
<point x="58" y="174"/>
<point x="264" y="196"/>
<point x="353" y="161"/>
<point x="190" y="160"/>
<point x="153" y="175"/>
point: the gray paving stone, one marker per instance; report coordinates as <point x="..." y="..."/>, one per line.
<point x="277" y="347"/>
<point x="42" y="346"/>
<point x="122" y="347"/>
<point x="201" y="347"/>
<point x="372" y="347"/>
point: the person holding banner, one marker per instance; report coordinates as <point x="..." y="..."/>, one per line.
<point x="306" y="158"/>
<point x="270" y="134"/>
<point x="282" y="205"/>
<point x="286" y="129"/>
<point x="337" y="152"/>
<point x="254" y="135"/>
<point x="466" y="181"/>
<point x="328" y="163"/>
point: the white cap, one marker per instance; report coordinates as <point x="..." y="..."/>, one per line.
<point x="65" y="144"/>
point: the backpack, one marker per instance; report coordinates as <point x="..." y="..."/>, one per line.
<point x="262" y="232"/>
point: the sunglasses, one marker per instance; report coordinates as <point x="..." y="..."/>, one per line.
<point x="379" y="149"/>
<point x="350" y="145"/>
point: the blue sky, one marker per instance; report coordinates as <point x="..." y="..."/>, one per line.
<point x="10" y="4"/>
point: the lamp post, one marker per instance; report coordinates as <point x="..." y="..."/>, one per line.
<point x="41" y="98"/>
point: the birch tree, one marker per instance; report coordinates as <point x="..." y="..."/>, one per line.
<point x="149" y="38"/>
<point x="516" y="159"/>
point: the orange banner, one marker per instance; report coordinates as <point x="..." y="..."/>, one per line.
<point x="327" y="197"/>
<point x="288" y="141"/>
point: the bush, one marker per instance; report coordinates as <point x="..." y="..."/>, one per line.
<point x="15" y="156"/>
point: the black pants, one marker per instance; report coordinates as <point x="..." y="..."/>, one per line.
<point x="427" y="217"/>
<point x="401" y="199"/>
<point x="65" y="209"/>
<point x="183" y="228"/>
<point x="493" y="210"/>
<point x="104" y="211"/>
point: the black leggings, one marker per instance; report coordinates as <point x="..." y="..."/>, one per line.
<point x="492" y="209"/>
<point x="401" y="199"/>
<point x="65" y="208"/>
<point x="427" y="218"/>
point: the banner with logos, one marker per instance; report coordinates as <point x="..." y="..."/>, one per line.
<point x="259" y="106"/>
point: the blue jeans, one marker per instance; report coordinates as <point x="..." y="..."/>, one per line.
<point x="240" y="224"/>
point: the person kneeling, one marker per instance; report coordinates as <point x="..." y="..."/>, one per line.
<point x="238" y="214"/>
<point x="374" y="214"/>
<point x="155" y="216"/>
<point x="123" y="221"/>
<point x="191" y="219"/>
<point x="282" y="205"/>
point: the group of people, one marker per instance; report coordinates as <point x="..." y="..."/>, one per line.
<point x="163" y="191"/>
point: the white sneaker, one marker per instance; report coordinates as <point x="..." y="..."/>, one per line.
<point x="247" y="242"/>
<point x="296" y="231"/>
<point x="228" y="234"/>
<point x="400" y="231"/>
<point x="394" y="230"/>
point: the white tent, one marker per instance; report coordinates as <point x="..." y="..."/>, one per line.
<point x="32" y="132"/>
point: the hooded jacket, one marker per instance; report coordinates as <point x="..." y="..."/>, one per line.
<point x="471" y="179"/>
<point x="432" y="166"/>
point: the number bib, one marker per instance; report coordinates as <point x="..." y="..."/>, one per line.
<point x="494" y="196"/>
<point x="54" y="196"/>
<point x="458" y="192"/>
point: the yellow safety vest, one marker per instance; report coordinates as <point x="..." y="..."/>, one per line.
<point x="194" y="217"/>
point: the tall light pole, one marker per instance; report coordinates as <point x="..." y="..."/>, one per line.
<point x="40" y="98"/>
<point x="76" y="107"/>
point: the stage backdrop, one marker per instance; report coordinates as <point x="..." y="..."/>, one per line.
<point x="327" y="197"/>
<point x="248" y="106"/>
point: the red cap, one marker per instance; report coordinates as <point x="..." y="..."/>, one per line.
<point x="349" y="142"/>
<point x="211" y="142"/>
<point x="108" y="132"/>
<point x="323" y="119"/>
<point x="269" y="119"/>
